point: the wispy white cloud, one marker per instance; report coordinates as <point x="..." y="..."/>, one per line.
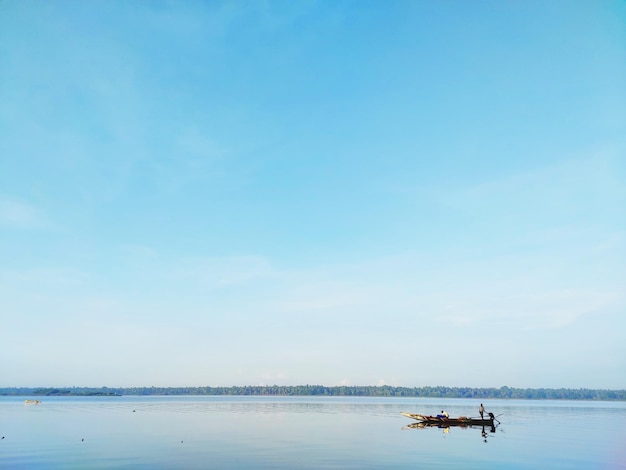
<point x="319" y="296"/>
<point x="200" y="147"/>
<point x="536" y="309"/>
<point x="193" y="155"/>
<point x="572" y="185"/>
<point x="50" y="277"/>
<point x="138" y="251"/>
<point x="22" y="215"/>
<point x="224" y="271"/>
<point x="587" y="183"/>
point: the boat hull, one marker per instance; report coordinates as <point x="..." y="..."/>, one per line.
<point x="460" y="421"/>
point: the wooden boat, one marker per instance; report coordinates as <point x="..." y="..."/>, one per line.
<point x="32" y="402"/>
<point x="460" y="421"/>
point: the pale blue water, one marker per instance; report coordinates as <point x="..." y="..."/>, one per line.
<point x="304" y="432"/>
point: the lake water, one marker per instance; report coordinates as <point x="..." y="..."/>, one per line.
<point x="304" y="432"/>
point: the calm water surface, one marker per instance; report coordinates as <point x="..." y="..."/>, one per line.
<point x="304" y="432"/>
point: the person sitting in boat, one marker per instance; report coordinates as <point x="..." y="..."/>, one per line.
<point x="443" y="415"/>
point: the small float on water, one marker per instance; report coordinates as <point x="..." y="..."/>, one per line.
<point x="32" y="402"/>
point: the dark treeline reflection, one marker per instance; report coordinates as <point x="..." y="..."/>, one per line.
<point x="339" y="391"/>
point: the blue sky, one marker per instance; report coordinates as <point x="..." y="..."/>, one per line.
<point x="274" y="192"/>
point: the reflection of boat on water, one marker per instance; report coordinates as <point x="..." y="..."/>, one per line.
<point x="426" y="421"/>
<point x="32" y="402"/>
<point x="423" y="425"/>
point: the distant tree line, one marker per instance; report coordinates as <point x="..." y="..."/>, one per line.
<point x="59" y="392"/>
<point x="339" y="391"/>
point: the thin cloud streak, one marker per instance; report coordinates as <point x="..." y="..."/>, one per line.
<point x="20" y="215"/>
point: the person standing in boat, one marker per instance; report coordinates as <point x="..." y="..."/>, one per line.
<point x="481" y="410"/>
